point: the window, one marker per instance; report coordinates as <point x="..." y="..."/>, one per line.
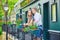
<point x="54" y="12"/>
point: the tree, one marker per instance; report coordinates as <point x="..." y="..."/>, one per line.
<point x="11" y="4"/>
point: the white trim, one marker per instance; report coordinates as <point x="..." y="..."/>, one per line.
<point x="17" y="3"/>
<point x="54" y="31"/>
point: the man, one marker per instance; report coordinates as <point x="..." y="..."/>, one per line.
<point x="38" y="22"/>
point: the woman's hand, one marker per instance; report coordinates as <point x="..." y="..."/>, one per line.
<point x="25" y="24"/>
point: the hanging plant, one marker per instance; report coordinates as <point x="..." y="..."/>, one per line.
<point x="33" y="27"/>
<point x="26" y="29"/>
<point x="9" y="22"/>
<point x="18" y="22"/>
<point x="0" y="30"/>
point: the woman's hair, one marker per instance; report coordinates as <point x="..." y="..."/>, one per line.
<point x="30" y="12"/>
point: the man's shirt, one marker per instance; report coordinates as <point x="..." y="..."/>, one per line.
<point x="37" y="19"/>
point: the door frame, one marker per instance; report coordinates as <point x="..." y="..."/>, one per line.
<point x="46" y="21"/>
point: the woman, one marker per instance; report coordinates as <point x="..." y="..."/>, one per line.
<point x="30" y="19"/>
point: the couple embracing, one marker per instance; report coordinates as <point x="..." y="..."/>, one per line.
<point x="35" y="18"/>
